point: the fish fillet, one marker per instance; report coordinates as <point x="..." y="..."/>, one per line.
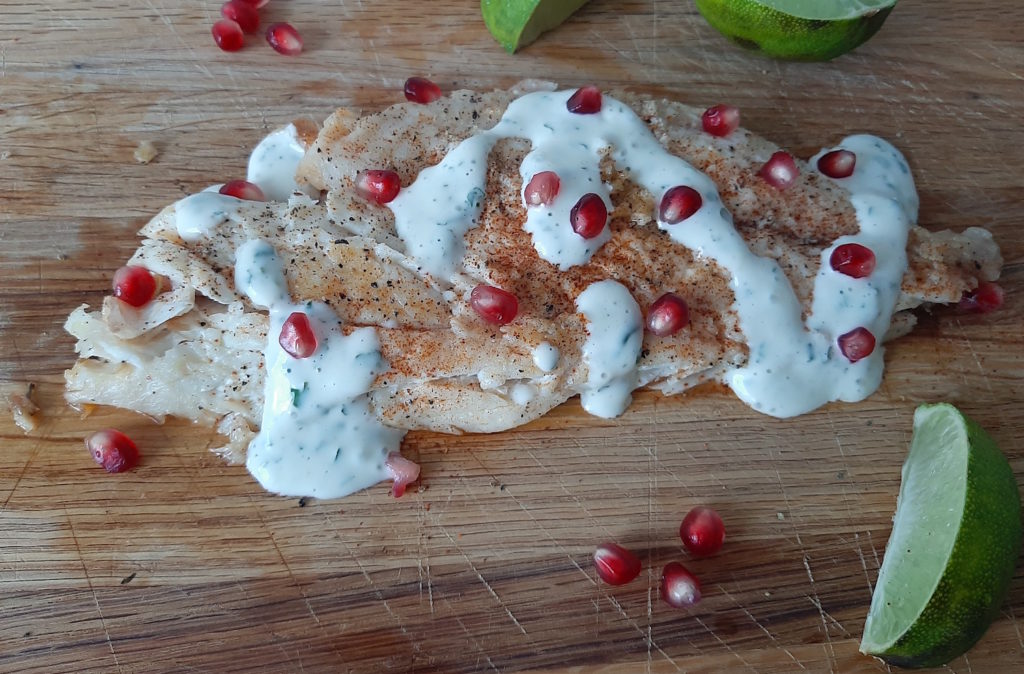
<point x="197" y="351"/>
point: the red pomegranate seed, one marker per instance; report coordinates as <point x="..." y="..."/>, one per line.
<point x="284" y="39"/>
<point x="589" y="216"/>
<point x="983" y="299"/>
<point x="243" y="189"/>
<point x="702" y="531"/>
<point x="856" y="344"/>
<point x="378" y="186"/>
<point x="720" y="120"/>
<point x="113" y="450"/>
<point x="245" y="15"/>
<point x="679" y="587"/>
<point x="494" y="305"/>
<point x="679" y="203"/>
<point x="542" y="189"/>
<point x="853" y="260"/>
<point x="837" y="163"/>
<point x="228" y="35"/>
<point x="615" y="564"/>
<point x="402" y="471"/>
<point x="586" y="101"/>
<point x="297" y="337"/>
<point x="668" y="315"/>
<point x="136" y="286"/>
<point x="780" y="171"/>
<point x="421" y="90"/>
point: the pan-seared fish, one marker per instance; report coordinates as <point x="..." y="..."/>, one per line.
<point x="384" y="291"/>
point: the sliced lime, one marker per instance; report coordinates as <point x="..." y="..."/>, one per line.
<point x="807" y="30"/>
<point x="517" y="23"/>
<point x="955" y="541"/>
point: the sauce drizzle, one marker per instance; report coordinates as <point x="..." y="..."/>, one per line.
<point x="318" y="436"/>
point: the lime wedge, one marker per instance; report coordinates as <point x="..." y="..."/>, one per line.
<point x="805" y="30"/>
<point x="955" y="541"/>
<point x="517" y="23"/>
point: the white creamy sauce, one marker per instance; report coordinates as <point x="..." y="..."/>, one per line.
<point x="272" y="167"/>
<point x="273" y="163"/>
<point x="615" y="334"/>
<point x="793" y="368"/>
<point x="197" y="215"/>
<point x="318" y="436"/>
<point x="545" y="356"/>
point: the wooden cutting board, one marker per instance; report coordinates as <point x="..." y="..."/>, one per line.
<point x="186" y="565"/>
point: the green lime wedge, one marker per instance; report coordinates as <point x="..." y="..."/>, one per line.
<point x="517" y="23"/>
<point x="955" y="541"/>
<point x="803" y="30"/>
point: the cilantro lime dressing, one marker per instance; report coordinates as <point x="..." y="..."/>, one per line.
<point x="273" y="163"/>
<point x="792" y="367"/>
<point x="615" y="334"/>
<point x="318" y="436"/>
<point x="545" y="356"/>
<point x="197" y="215"/>
<point x="272" y="167"/>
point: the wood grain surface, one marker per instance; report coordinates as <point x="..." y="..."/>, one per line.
<point x="186" y="565"/>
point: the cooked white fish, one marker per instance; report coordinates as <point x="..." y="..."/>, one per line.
<point x="200" y="349"/>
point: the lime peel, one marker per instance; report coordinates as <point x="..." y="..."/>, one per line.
<point x="804" y="30"/>
<point x="954" y="545"/>
<point x="517" y="23"/>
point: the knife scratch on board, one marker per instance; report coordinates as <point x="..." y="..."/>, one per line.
<point x="829" y="648"/>
<point x="88" y="581"/>
<point x="764" y="629"/>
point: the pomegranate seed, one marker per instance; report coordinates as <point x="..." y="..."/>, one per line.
<point x="243" y="189"/>
<point x="679" y="587"/>
<point x="668" y="315"/>
<point x="615" y="564"/>
<point x="113" y="450"/>
<point x="983" y="299"/>
<point x="853" y="260"/>
<point x="679" y="203"/>
<point x="494" y="305"/>
<point x="284" y="39"/>
<point x="586" y="101"/>
<point x="245" y="15"/>
<point x="136" y="286"/>
<point x="589" y="216"/>
<point x="837" y="163"/>
<point x="421" y="90"/>
<point x="228" y="35"/>
<point x="542" y="189"/>
<point x="378" y="186"/>
<point x="856" y="344"/>
<point x="702" y="531"/>
<point x="402" y="471"/>
<point x="780" y="170"/>
<point x="297" y="337"/>
<point x="720" y="120"/>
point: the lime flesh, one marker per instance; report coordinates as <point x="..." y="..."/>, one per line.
<point x="517" y="23"/>
<point x="954" y="545"/>
<point x="804" y="30"/>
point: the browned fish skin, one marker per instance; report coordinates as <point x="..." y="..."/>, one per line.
<point x="450" y="371"/>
